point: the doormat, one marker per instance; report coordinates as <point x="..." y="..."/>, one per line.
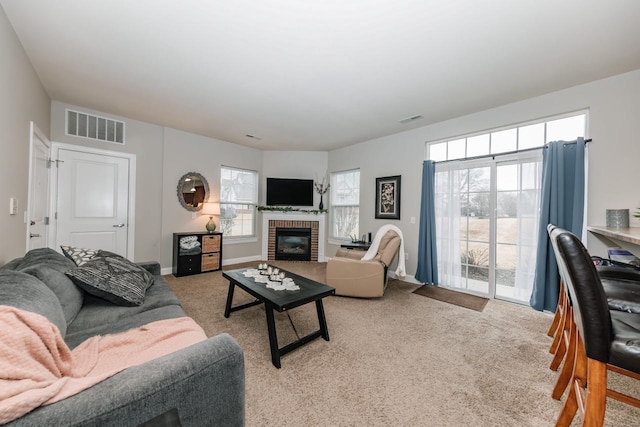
<point x="461" y="299"/>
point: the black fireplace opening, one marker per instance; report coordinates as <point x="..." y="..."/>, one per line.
<point x="293" y="244"/>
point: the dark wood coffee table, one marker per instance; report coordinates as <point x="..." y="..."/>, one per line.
<point x="309" y="291"/>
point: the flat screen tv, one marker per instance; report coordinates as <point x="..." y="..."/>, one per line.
<point x="289" y="192"/>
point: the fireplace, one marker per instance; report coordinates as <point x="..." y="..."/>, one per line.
<point x="273" y="221"/>
<point x="293" y="244"/>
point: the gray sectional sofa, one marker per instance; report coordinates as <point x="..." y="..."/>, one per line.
<point x="201" y="385"/>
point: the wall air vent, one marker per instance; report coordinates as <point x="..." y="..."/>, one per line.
<point x="94" y="127"/>
<point x="410" y="119"/>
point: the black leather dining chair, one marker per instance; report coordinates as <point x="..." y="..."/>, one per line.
<point x="621" y="285"/>
<point x="605" y="340"/>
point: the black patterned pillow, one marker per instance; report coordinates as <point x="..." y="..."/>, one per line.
<point x="114" y="279"/>
<point x="79" y="255"/>
<point x="108" y="254"/>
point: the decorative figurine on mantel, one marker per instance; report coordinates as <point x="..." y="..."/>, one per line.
<point x="321" y="188"/>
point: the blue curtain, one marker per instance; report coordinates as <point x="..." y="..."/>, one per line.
<point x="562" y="204"/>
<point x="427" y="260"/>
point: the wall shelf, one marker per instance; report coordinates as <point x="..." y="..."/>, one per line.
<point x="629" y="234"/>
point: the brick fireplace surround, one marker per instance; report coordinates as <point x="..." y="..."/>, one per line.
<point x="273" y="220"/>
<point x="280" y="223"/>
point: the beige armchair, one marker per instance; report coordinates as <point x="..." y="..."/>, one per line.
<point x="351" y="276"/>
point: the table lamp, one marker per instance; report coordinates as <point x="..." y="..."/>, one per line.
<point x="211" y="209"/>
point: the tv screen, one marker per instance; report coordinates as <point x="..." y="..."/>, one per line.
<point x="289" y="192"/>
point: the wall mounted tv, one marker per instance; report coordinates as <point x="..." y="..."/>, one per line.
<point x="289" y="192"/>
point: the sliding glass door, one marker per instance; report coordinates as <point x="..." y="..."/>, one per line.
<point x="486" y="224"/>
<point x="518" y="185"/>
<point x="475" y="227"/>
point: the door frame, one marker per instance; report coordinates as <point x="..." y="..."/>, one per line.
<point x="492" y="162"/>
<point x="55" y="148"/>
<point x="34" y="130"/>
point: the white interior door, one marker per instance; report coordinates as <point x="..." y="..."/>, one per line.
<point x="92" y="201"/>
<point x="38" y="200"/>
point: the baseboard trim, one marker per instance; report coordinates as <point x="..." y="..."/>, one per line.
<point x="241" y="260"/>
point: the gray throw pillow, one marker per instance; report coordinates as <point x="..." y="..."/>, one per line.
<point x="107" y="254"/>
<point x="114" y="279"/>
<point x="45" y="256"/>
<point x="25" y="292"/>
<point x="70" y="296"/>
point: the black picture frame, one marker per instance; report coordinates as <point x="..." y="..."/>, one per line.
<point x="388" y="197"/>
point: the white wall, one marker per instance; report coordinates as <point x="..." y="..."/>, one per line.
<point x="185" y="152"/>
<point x="400" y="155"/>
<point x="146" y="142"/>
<point x="23" y="100"/>
<point x="614" y="154"/>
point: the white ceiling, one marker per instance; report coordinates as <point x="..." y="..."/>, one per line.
<point x="317" y="75"/>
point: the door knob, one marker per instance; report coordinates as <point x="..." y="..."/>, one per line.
<point x="32" y="222"/>
<point x="118" y="225"/>
<point x="31" y="235"/>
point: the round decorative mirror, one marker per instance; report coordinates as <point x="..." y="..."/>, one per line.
<point x="193" y="191"/>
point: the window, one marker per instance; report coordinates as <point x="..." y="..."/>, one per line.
<point x="345" y="204"/>
<point x="238" y="197"/>
<point x="506" y="140"/>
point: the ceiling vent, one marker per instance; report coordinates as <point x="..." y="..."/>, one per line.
<point x="94" y="127"/>
<point x="411" y="119"/>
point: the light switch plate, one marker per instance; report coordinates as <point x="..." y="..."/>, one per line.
<point x="13" y="206"/>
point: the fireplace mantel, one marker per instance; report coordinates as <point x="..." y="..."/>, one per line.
<point x="297" y="216"/>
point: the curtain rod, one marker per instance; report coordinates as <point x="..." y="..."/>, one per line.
<point x="484" y="156"/>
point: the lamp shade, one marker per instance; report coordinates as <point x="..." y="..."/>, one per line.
<point x="210" y="208"/>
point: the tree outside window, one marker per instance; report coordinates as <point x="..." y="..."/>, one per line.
<point x="238" y="197"/>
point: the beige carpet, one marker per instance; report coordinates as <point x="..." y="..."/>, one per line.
<point x="402" y="360"/>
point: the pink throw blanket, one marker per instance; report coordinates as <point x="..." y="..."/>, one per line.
<point x="37" y="368"/>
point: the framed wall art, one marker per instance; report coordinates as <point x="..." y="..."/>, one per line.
<point x="388" y="197"/>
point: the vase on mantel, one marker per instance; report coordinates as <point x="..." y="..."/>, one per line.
<point x="321" y="205"/>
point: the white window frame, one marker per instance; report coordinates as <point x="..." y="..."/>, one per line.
<point x="515" y="126"/>
<point x="244" y="237"/>
<point x="335" y="203"/>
